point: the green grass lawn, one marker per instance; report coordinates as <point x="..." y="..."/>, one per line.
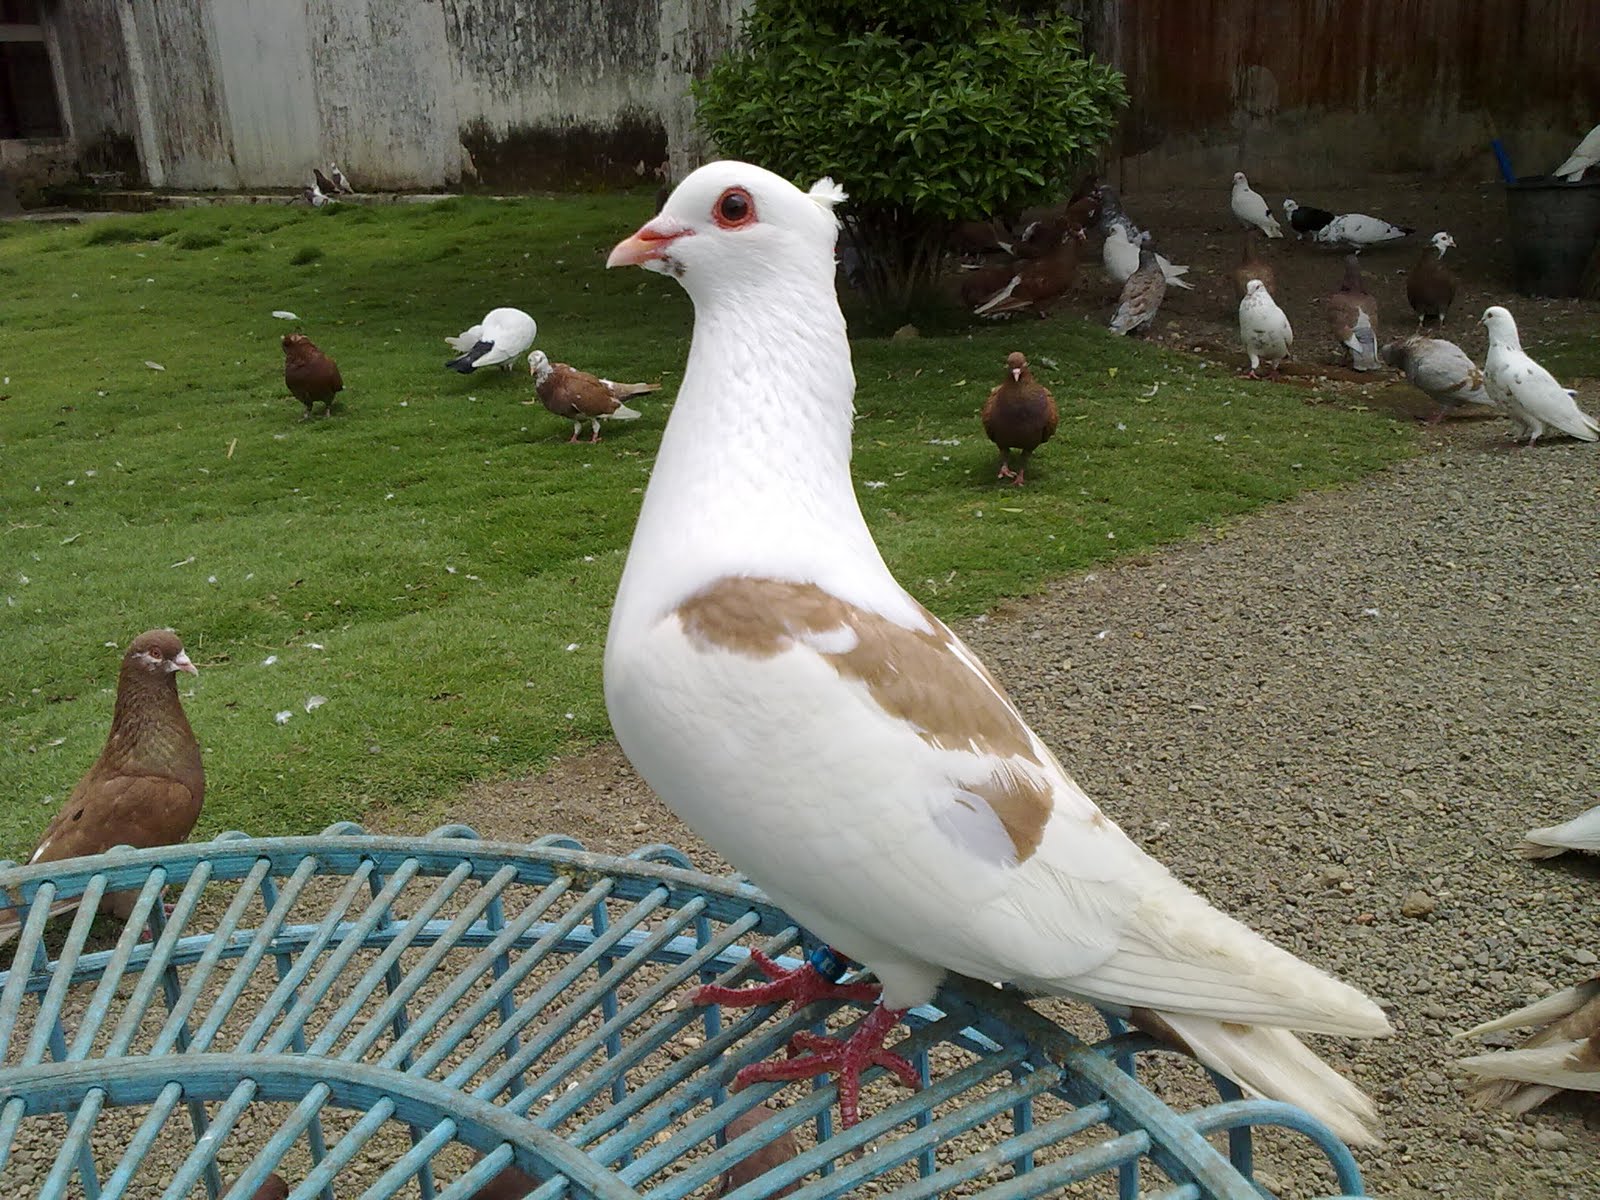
<point x="434" y="559"/>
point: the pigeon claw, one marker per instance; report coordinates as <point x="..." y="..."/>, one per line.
<point x="1006" y="472"/>
<point x="844" y="1057"/>
<point x="801" y="986"/>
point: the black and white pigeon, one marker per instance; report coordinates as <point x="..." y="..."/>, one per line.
<point x="1357" y="231"/>
<point x="1304" y="219"/>
<point x="339" y="180"/>
<point x="503" y="336"/>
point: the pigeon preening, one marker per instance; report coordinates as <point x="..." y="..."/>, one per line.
<point x="1304" y="219"/>
<point x="1119" y="253"/>
<point x="1264" y="329"/>
<point x="580" y="396"/>
<point x="1586" y="155"/>
<point x="1353" y="317"/>
<point x="1035" y="284"/>
<point x="1441" y="370"/>
<point x="1252" y="266"/>
<point x="1143" y="293"/>
<point x="1019" y="415"/>
<point x="1525" y="391"/>
<point x="1357" y="231"/>
<point x="146" y="787"/>
<point x="1251" y="209"/>
<point x="837" y="743"/>
<point x="312" y="377"/>
<point x="503" y="336"/>
<point x="1563" y="1053"/>
<point x="1431" y="286"/>
<point x="1580" y="833"/>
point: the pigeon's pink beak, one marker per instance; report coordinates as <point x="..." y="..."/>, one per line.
<point x="182" y="663"/>
<point x="649" y="244"/>
<point x="1016" y="374"/>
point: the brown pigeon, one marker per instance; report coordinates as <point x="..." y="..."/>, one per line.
<point x="1036" y="283"/>
<point x="1431" y="286"/>
<point x="272" y="1187"/>
<point x="1019" y="415"/>
<point x="1353" y="317"/>
<point x="764" y="1158"/>
<point x="310" y="374"/>
<point x="581" y="397"/>
<point x="1253" y="266"/>
<point x="145" y="788"/>
<point x="512" y="1183"/>
<point x="980" y="237"/>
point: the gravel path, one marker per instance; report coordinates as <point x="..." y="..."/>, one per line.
<point x="1311" y="716"/>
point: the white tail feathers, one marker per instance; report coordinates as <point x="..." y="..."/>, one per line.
<point x="1541" y="1012"/>
<point x="1564" y="1052"/>
<point x="624" y="413"/>
<point x="1580" y="833"/>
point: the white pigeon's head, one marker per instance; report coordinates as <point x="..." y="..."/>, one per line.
<point x="1502" y="328"/>
<point x="1442" y="241"/>
<point x="732" y="223"/>
<point x="1239" y="180"/>
<point x="1289" y="207"/>
<point x="538" y="364"/>
<point x="1255" y="291"/>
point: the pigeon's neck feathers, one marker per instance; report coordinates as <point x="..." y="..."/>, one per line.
<point x="149" y="732"/>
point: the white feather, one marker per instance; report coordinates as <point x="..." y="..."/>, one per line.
<point x="1586" y="155"/>
<point x="1580" y="833"/>
<point x="1358" y="230"/>
<point x="1263" y="327"/>
<point x="510" y="332"/>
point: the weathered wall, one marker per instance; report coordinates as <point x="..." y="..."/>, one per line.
<point x="1325" y="89"/>
<point x="96" y="99"/>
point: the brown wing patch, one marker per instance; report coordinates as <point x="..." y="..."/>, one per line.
<point x="131" y="810"/>
<point x="916" y="676"/>
<point x="582" y="393"/>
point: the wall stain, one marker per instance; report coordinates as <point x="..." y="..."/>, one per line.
<point x="574" y="154"/>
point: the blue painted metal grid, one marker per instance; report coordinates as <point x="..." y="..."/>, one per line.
<point x="366" y="1014"/>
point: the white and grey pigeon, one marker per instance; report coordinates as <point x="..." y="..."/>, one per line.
<point x="833" y="740"/>
<point x="1441" y="370"/>
<point x="502" y="337"/>
<point x="1586" y="155"/>
<point x="339" y="180"/>
<point x="1580" y="833"/>
<point x="1251" y="210"/>
<point x="316" y="197"/>
<point x="1119" y="253"/>
<point x="1528" y="393"/>
<point x="1263" y="328"/>
<point x="1358" y="231"/>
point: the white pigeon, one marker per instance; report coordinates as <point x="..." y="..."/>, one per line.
<point x="1580" y="833"/>
<point x="499" y="340"/>
<point x="833" y="740"/>
<point x="1263" y="328"/>
<point x="1527" y="392"/>
<point x="1358" y="231"/>
<point x="1119" y="254"/>
<point x="1251" y="209"/>
<point x="1580" y="160"/>
<point x="316" y="197"/>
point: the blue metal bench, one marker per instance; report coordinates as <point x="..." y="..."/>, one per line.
<point x="363" y="1013"/>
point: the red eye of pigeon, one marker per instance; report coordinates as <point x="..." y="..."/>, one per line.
<point x="734" y="209"/>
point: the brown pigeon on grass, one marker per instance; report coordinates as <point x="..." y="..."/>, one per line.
<point x="311" y="376"/>
<point x="581" y="397"/>
<point x="1019" y="415"/>
<point x="146" y="787"/>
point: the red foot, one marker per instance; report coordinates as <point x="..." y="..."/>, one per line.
<point x="1251" y="375"/>
<point x="1006" y="472"/>
<point x="595" y="438"/>
<point x="802" y="985"/>
<point x="573" y="438"/>
<point x="843" y="1057"/>
<point x="1016" y="480"/>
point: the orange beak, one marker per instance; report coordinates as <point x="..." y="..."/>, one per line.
<point x="649" y="244"/>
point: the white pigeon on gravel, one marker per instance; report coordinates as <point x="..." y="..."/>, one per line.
<point x="1358" y="231"/>
<point x="1119" y="253"/>
<point x="1528" y="393"/>
<point x="1586" y="155"/>
<point x="503" y="336"/>
<point x="1440" y="369"/>
<point x="1263" y="328"/>
<point x="1580" y="833"/>
<point x="1251" y="209"/>
<point x="836" y="742"/>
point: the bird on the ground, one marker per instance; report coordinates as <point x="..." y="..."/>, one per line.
<point x="1036" y="284"/>
<point x="1251" y="210"/>
<point x="1019" y="415"/>
<point x="1431" y="286"/>
<point x="339" y="180"/>
<point x="1562" y="1054"/>
<point x="1252" y="266"/>
<point x="323" y="184"/>
<point x="1353" y="317"/>
<point x="316" y="197"/>
<point x="1357" y="231"/>
<point x="1580" y="833"/>
<point x="1304" y="219"/>
<point x="579" y="396"/>
<point x="1264" y="329"/>
<point x="273" y="1187"/>
<point x="1142" y="294"/>
<point x="146" y="787"/>
<point x="311" y="376"/>
<point x="1584" y="156"/>
<point x="1074" y="216"/>
<point x="499" y="339"/>
<point x="1525" y="391"/>
<point x="1441" y="370"/>
<point x="838" y="744"/>
<point x="1119" y="254"/>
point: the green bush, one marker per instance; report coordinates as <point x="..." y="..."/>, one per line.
<point x="927" y="113"/>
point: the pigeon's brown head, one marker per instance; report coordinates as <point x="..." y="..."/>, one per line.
<point x="1016" y="364"/>
<point x="159" y="652"/>
<point x="730" y="223"/>
<point x="295" y="343"/>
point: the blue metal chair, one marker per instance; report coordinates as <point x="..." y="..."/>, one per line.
<point x="382" y="1016"/>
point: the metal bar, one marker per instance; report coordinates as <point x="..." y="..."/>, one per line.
<point x="155" y="1119"/>
<point x="73" y="1146"/>
<point x="204" y="1153"/>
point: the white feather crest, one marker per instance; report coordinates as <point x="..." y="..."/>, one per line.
<point x="827" y="193"/>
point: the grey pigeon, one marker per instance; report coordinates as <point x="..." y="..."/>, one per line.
<point x="1142" y="294"/>
<point x="1440" y="369"/>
